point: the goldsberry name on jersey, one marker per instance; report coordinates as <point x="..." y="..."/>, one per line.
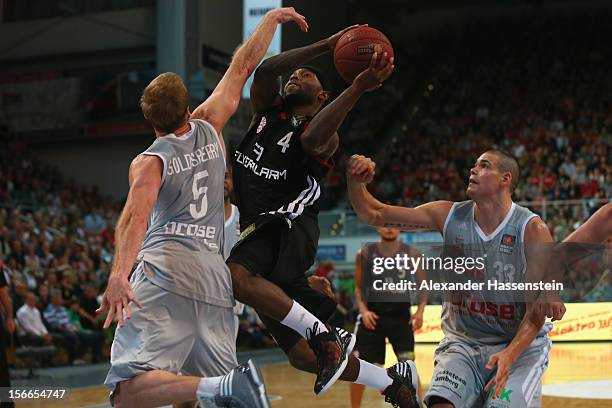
<point x="188" y="161"/>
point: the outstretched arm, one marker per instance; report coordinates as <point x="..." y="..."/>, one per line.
<point x="266" y="83"/>
<point x="596" y="229"/>
<point x="360" y="171"/>
<point x="145" y="179"/>
<point x="224" y="100"/>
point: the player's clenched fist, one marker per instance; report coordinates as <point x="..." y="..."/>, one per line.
<point x="360" y="169"/>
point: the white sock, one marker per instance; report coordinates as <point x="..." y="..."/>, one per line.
<point x="301" y="320"/>
<point x="208" y="387"/>
<point x="373" y="376"/>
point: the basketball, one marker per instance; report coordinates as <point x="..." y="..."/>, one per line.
<point x="354" y="50"/>
<point x="261" y="179"/>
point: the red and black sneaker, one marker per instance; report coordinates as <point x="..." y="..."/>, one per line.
<point x="402" y="393"/>
<point x="332" y="349"/>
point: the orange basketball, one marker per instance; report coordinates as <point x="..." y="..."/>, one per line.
<point x="354" y="50"/>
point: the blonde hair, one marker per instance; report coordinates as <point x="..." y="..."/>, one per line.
<point x="164" y="102"/>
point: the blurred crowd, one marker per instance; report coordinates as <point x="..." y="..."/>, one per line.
<point x="537" y="88"/>
<point x="56" y="246"/>
<point x="542" y="93"/>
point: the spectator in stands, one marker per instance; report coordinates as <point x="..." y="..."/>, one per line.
<point x="12" y="270"/>
<point x="17" y="254"/>
<point x="43" y="298"/>
<point x="69" y="288"/>
<point x="29" y="277"/>
<point x="46" y="256"/>
<point x="5" y="243"/>
<point x="94" y="221"/>
<point x="32" y="329"/>
<point x="20" y="290"/>
<point x="89" y="304"/>
<point x="59" y="323"/>
<point x="32" y="261"/>
<point x="52" y="282"/>
<point x="91" y="338"/>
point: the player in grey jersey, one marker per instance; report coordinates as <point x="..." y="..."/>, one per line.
<point x="473" y="347"/>
<point x="172" y="224"/>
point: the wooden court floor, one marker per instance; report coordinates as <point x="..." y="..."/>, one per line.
<point x="569" y="362"/>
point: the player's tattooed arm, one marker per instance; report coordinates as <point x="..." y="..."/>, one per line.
<point x="406" y="226"/>
<point x="224" y="100"/>
<point x="360" y="171"/>
<point x="266" y="83"/>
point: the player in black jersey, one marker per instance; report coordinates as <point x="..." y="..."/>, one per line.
<point x="392" y="318"/>
<point x="277" y="170"/>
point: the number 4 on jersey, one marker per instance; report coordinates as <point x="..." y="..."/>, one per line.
<point x="284" y="142"/>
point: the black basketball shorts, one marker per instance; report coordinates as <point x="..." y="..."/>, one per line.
<point x="281" y="251"/>
<point x="370" y="345"/>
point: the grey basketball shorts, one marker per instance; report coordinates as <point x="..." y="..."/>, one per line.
<point x="172" y="333"/>
<point x="460" y="375"/>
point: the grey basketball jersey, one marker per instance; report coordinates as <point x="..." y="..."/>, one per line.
<point x="232" y="231"/>
<point x="182" y="249"/>
<point x="468" y="315"/>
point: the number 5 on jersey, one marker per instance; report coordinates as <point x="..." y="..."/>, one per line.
<point x="197" y="193"/>
<point x="284" y="142"/>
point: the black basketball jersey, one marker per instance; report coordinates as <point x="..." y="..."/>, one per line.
<point x="273" y="175"/>
<point x="396" y="303"/>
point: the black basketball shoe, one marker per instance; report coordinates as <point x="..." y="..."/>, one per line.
<point x="332" y="349"/>
<point x="402" y="393"/>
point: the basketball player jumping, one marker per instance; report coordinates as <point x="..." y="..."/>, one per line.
<point x="514" y="341"/>
<point x="172" y="223"/>
<point x="277" y="170"/>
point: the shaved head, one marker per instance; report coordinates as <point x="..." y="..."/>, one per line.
<point x="507" y="164"/>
